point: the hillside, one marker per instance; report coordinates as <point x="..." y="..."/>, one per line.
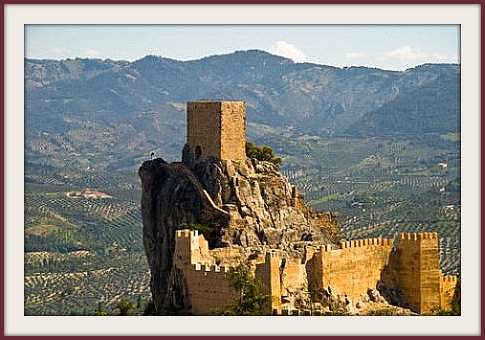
<point x="92" y="102"/>
<point x="428" y="109"/>
<point x="364" y="142"/>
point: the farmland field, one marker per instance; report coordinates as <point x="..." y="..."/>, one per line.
<point x="84" y="252"/>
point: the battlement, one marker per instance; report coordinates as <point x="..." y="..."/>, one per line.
<point x="327" y="247"/>
<point x="364" y="243"/>
<point x="451" y="279"/>
<point x="350" y="268"/>
<point x="272" y="254"/>
<point x="418" y="236"/>
<point x="209" y="268"/>
<point x="186" y="233"/>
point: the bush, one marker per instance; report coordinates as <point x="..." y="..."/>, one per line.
<point x="252" y="299"/>
<point x="125" y="307"/>
<point x="201" y="228"/>
<point x="262" y="153"/>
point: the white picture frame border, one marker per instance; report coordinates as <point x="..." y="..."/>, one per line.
<point x="16" y="16"/>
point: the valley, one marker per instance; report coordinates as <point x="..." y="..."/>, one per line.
<point x="382" y="148"/>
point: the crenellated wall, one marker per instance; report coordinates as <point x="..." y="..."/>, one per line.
<point x="209" y="288"/>
<point x="207" y="284"/>
<point x="353" y="268"/>
<point x="447" y="290"/>
<point x="419" y="275"/>
<point x="349" y="270"/>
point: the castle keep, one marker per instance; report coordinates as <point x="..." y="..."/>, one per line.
<point x="217" y="130"/>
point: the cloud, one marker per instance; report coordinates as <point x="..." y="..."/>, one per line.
<point x="92" y="53"/>
<point x="355" y="55"/>
<point x="406" y="53"/>
<point x="284" y="49"/>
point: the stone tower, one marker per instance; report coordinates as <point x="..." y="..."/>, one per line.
<point x="419" y="270"/>
<point x="216" y="130"/>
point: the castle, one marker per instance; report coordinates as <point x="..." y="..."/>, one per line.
<point x="303" y="275"/>
<point x="348" y="271"/>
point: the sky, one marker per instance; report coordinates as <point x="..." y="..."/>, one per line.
<point x="390" y="47"/>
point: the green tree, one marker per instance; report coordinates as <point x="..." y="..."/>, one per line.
<point x="251" y="300"/>
<point x="262" y="153"/>
<point x="125" y="306"/>
<point x="101" y="313"/>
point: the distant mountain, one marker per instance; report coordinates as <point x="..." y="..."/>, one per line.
<point x="432" y="107"/>
<point x="119" y="110"/>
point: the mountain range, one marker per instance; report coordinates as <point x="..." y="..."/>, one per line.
<point x="124" y="110"/>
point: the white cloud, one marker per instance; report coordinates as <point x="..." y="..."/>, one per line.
<point x="406" y="53"/>
<point x="355" y="55"/>
<point x="284" y="49"/>
<point x="92" y="53"/>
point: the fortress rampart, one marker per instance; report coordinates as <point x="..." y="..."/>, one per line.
<point x="348" y="270"/>
<point x="419" y="275"/>
<point x="209" y="288"/>
<point x="447" y="289"/>
<point x="353" y="268"/>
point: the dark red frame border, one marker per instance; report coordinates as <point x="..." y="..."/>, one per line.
<point x="219" y="2"/>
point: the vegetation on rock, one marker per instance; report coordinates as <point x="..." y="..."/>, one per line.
<point x="201" y="228"/>
<point x="262" y="153"/>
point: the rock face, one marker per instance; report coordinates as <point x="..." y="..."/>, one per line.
<point x="244" y="203"/>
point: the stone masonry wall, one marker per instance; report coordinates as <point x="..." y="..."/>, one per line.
<point x="447" y="290"/>
<point x="348" y="271"/>
<point x="233" y="131"/>
<point x="418" y="270"/>
<point x="217" y="129"/>
<point x="209" y="289"/>
<point x="207" y="285"/>
<point x="268" y="273"/>
<point x="352" y="269"/>
<point x="203" y="129"/>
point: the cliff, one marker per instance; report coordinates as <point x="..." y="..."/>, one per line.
<point x="242" y="203"/>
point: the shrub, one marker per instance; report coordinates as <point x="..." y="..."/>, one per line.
<point x="125" y="307"/>
<point x="252" y="299"/>
<point x="201" y="228"/>
<point x="262" y="153"/>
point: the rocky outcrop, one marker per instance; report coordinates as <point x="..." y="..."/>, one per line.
<point x="246" y="203"/>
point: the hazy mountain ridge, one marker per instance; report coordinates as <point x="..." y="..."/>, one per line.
<point x="124" y="110"/>
<point x="432" y="107"/>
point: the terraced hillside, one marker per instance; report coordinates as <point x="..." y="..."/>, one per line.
<point x="83" y="254"/>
